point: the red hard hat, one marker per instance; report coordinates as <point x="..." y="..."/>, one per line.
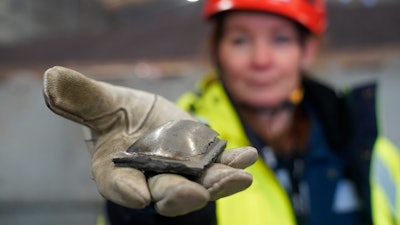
<point x="309" y="13"/>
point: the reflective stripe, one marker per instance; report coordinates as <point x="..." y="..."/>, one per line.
<point x="384" y="179"/>
<point x="385" y="183"/>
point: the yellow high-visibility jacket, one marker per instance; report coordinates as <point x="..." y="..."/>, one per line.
<point x="265" y="201"/>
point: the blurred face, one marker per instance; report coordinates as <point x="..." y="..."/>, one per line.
<point x="261" y="58"/>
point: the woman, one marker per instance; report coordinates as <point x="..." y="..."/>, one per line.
<point x="315" y="148"/>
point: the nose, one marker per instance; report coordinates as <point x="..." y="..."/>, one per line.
<point x="261" y="55"/>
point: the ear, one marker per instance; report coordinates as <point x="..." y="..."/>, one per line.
<point x="311" y="48"/>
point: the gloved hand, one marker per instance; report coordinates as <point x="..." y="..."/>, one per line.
<point x="117" y="117"/>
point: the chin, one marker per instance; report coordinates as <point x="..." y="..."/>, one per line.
<point x="264" y="102"/>
<point x="259" y="106"/>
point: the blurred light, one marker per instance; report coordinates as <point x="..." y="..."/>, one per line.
<point x="345" y="1"/>
<point x="192" y="0"/>
<point x="369" y="3"/>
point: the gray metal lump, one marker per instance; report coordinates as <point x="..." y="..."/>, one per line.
<point x="180" y="146"/>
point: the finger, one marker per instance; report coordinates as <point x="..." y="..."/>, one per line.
<point x="222" y="180"/>
<point x="175" y="195"/>
<point x="239" y="157"/>
<point x="124" y="186"/>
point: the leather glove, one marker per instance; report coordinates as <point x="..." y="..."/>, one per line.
<point x="117" y="117"/>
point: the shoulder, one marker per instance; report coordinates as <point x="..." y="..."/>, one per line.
<point x="331" y="109"/>
<point x="207" y="88"/>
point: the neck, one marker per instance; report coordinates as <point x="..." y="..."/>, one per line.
<point x="267" y="110"/>
<point x="267" y="122"/>
<point x="284" y="130"/>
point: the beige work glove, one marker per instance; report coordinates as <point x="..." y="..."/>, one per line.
<point x="117" y="117"/>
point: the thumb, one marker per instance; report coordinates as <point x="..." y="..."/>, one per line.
<point x="73" y="95"/>
<point x="95" y="104"/>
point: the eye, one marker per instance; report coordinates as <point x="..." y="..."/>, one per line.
<point x="282" y="38"/>
<point x="239" y="40"/>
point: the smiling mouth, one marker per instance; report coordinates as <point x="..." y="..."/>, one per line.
<point x="262" y="81"/>
<point x="260" y="84"/>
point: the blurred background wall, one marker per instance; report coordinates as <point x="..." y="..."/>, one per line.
<point x="153" y="45"/>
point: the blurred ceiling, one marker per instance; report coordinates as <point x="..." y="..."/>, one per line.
<point x="118" y="4"/>
<point x="101" y="30"/>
